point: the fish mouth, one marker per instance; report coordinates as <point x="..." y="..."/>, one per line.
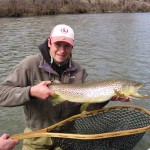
<point x="137" y="95"/>
<point x="131" y="90"/>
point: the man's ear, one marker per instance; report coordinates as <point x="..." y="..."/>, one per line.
<point x="49" y="42"/>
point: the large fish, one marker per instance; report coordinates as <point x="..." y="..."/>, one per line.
<point x="96" y="92"/>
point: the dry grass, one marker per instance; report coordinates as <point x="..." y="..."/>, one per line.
<point x="17" y="8"/>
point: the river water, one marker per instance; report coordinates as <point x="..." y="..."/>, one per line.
<point x="108" y="45"/>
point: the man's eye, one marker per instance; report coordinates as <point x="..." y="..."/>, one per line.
<point x="57" y="44"/>
<point x="68" y="45"/>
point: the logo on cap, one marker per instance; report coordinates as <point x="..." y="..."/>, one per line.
<point x="64" y="30"/>
<point x="63" y="38"/>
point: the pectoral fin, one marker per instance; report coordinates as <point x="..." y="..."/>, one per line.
<point x="118" y="94"/>
<point x="56" y="99"/>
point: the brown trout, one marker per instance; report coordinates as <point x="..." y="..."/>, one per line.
<point x="96" y="92"/>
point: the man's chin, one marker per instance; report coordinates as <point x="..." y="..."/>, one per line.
<point x="60" y="61"/>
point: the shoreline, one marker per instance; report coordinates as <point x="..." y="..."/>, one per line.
<point x="27" y="8"/>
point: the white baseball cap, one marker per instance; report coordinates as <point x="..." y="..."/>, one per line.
<point x="62" y="32"/>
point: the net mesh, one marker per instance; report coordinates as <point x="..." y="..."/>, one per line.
<point x="104" y="122"/>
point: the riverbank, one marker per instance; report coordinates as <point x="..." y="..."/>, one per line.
<point x="17" y="8"/>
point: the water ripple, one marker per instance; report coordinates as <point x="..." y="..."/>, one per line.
<point x="108" y="45"/>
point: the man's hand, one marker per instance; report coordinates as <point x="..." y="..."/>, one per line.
<point x="6" y="143"/>
<point x="41" y="90"/>
<point x="117" y="98"/>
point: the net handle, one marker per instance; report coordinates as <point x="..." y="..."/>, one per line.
<point x="46" y="131"/>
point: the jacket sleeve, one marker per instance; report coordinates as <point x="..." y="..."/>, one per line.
<point x="14" y="91"/>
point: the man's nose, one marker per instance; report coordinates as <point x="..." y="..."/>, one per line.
<point x="62" y="48"/>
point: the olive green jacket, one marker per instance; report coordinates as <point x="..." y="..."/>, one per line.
<point x="14" y="91"/>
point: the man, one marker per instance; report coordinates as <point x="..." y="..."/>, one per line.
<point x="54" y="63"/>
<point x="6" y="143"/>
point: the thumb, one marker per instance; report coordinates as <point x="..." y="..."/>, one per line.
<point x="5" y="136"/>
<point x="46" y="83"/>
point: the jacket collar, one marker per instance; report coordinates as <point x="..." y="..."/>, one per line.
<point x="45" y="66"/>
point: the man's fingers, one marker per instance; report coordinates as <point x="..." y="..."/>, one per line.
<point x="117" y="98"/>
<point x="127" y="99"/>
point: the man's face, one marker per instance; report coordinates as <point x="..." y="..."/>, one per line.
<point x="60" y="51"/>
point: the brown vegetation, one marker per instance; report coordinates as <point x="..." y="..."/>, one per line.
<point x="17" y="8"/>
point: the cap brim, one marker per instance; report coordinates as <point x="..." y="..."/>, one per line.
<point x="64" y="39"/>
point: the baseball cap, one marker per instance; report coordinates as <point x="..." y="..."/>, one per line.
<point x="62" y="32"/>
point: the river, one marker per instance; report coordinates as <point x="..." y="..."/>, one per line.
<point x="108" y="45"/>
